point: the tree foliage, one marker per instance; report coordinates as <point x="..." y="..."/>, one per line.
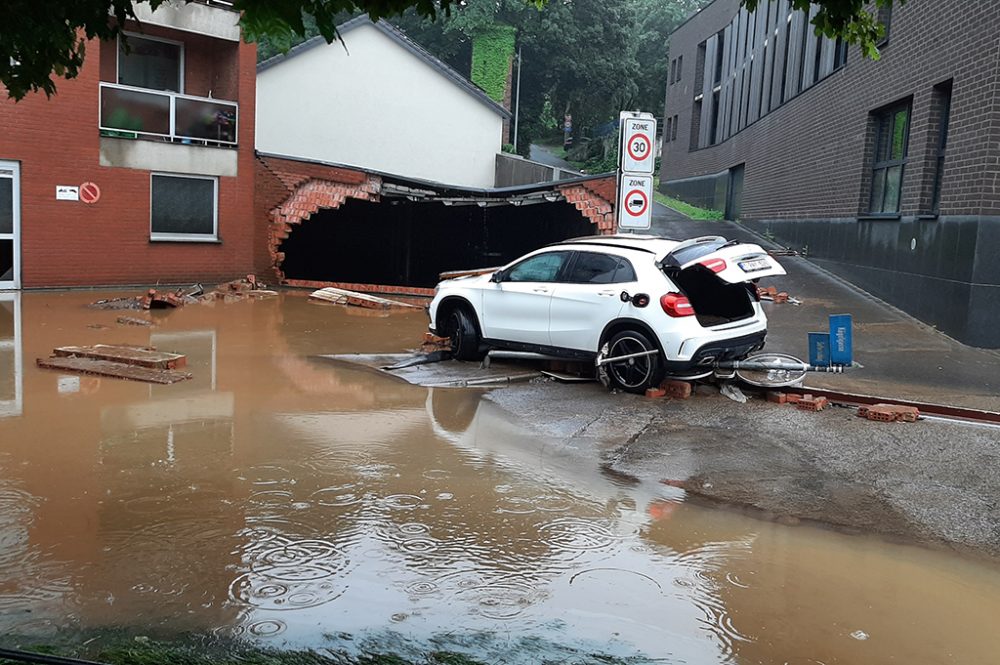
<point x="844" y="18"/>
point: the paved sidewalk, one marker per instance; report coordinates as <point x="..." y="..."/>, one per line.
<point x="902" y="357"/>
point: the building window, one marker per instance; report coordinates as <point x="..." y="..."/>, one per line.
<point x="680" y="68"/>
<point x="673" y="131"/>
<point x="892" y="129"/>
<point x="839" y="53"/>
<point x="884" y="16"/>
<point x="666" y="132"/>
<point x="673" y="70"/>
<point x="183" y="207"/>
<point x="942" y="99"/>
<point x="713" y="136"/>
<point x="157" y="64"/>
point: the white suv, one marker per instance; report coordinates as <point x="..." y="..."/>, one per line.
<point x="674" y="307"/>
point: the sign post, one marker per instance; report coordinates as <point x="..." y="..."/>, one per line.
<point x="636" y="160"/>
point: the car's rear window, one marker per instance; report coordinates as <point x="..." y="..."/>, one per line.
<point x="596" y="268"/>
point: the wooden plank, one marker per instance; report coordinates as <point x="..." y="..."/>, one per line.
<point x="114" y="370"/>
<point x="140" y="356"/>
<point x="452" y="274"/>
<point x="345" y="297"/>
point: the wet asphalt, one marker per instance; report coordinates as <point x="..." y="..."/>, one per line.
<point x="932" y="482"/>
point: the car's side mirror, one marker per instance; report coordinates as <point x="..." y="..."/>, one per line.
<point x="497" y="277"/>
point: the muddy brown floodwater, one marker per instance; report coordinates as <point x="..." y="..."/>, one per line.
<point x="298" y="503"/>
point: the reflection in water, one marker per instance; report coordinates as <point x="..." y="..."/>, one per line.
<point x="280" y="499"/>
<point x="11" y="360"/>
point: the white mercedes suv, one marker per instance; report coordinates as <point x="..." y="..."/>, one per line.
<point x="673" y="307"/>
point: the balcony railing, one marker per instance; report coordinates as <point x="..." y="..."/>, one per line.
<point x="129" y="111"/>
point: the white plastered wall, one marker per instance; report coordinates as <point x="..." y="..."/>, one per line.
<point x="378" y="106"/>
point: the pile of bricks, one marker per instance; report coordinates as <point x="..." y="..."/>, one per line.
<point x="805" y="402"/>
<point x="671" y="388"/>
<point x="889" y="413"/>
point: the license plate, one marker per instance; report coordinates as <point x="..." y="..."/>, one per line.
<point x="755" y="265"/>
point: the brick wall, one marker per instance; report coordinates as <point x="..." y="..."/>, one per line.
<point x="66" y="243"/>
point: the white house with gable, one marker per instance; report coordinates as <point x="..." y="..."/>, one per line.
<point x="383" y="103"/>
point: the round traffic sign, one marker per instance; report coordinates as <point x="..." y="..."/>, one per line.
<point x="638" y="147"/>
<point x="90" y="192"/>
<point x="636" y="202"/>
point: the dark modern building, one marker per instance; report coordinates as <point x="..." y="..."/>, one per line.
<point x="887" y="172"/>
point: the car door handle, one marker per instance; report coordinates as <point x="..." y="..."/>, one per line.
<point x="540" y="289"/>
<point x="607" y="293"/>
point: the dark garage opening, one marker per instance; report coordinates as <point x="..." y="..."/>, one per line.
<point x="404" y="243"/>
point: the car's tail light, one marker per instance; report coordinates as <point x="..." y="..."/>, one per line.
<point x="675" y="304"/>
<point x="715" y="265"/>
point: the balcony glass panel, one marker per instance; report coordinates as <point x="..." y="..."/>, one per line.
<point x="206" y="120"/>
<point x="135" y="111"/>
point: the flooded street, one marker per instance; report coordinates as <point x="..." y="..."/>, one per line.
<point x="300" y="503"/>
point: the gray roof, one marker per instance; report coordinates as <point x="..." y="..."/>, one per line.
<point x="400" y="38"/>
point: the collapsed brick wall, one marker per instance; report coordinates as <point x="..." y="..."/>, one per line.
<point x="595" y="200"/>
<point x="289" y="192"/>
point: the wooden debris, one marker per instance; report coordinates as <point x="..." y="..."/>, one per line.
<point x="112" y="369"/>
<point x="356" y="299"/>
<point x="454" y="274"/>
<point x="126" y="355"/>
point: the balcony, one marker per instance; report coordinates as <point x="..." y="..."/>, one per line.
<point x="129" y="112"/>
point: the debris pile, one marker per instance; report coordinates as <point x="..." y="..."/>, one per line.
<point x="771" y="294"/>
<point x="432" y="342"/>
<point x="120" y="361"/>
<point x="234" y="291"/>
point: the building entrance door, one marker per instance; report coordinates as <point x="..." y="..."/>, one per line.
<point x="10" y="223"/>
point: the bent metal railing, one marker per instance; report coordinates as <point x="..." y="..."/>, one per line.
<point x="128" y="111"/>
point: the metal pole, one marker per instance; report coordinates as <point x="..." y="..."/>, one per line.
<point x="517" y="97"/>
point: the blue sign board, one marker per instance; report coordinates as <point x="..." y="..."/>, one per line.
<point x="841" y="339"/>
<point x="819" y="349"/>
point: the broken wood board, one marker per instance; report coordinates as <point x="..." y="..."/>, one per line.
<point x="140" y="356"/>
<point x="412" y="368"/>
<point x="112" y="369"/>
<point x="455" y="274"/>
<point x="357" y="299"/>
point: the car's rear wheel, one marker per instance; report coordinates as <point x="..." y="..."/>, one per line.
<point x="460" y="329"/>
<point x="639" y="372"/>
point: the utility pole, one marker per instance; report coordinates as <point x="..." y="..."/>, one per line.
<point x="517" y="97"/>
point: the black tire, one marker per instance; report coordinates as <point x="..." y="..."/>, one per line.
<point x="464" y="339"/>
<point x="634" y="375"/>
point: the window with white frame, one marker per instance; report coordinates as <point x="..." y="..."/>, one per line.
<point x="183" y="207"/>
<point x="148" y="62"/>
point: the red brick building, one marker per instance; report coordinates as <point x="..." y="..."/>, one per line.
<point x="165" y="130"/>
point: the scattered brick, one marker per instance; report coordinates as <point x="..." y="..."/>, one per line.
<point x="793" y="398"/>
<point x="777" y="397"/>
<point x="653" y="393"/>
<point x="889" y="413"/>
<point x="810" y="403"/>
<point x="676" y="389"/>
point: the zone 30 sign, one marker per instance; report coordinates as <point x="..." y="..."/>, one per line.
<point x="638" y="151"/>
<point x="636" y="159"/>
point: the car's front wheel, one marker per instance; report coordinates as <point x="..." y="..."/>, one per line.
<point x="641" y="370"/>
<point x="460" y="329"/>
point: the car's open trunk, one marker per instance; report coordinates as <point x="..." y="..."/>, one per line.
<point x="715" y="302"/>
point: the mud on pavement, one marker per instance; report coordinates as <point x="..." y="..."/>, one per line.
<point x="929" y="482"/>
